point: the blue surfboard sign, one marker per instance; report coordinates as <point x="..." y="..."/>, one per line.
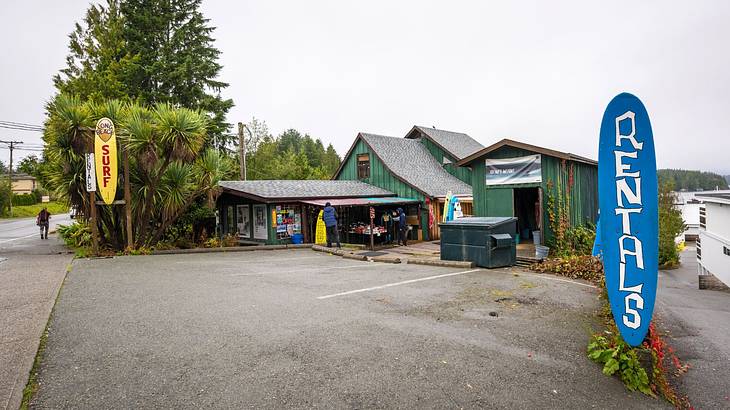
<point x="629" y="222"/>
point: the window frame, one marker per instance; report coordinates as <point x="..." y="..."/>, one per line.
<point x="363" y="165"/>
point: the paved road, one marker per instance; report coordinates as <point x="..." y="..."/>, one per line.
<point x="31" y="272"/>
<point x="699" y="321"/>
<point x="12" y="230"/>
<point x="281" y="329"/>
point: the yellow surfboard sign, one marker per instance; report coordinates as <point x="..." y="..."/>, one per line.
<point x="105" y="157"/>
<point x="320" y="237"/>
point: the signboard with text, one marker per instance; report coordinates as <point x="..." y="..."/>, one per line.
<point x="629" y="223"/>
<point x="105" y="155"/>
<point x="90" y="173"/>
<point x="519" y="170"/>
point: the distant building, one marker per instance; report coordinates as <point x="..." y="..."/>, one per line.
<point x="713" y="246"/>
<point x="688" y="203"/>
<point x="22" y="183"/>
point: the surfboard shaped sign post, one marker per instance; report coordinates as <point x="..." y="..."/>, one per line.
<point x="629" y="222"/>
<point x="105" y="157"/>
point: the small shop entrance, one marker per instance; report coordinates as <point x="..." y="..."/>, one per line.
<point x="528" y="210"/>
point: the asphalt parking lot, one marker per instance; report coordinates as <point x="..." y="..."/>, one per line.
<point x="298" y="328"/>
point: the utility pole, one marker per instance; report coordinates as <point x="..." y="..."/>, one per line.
<point x="242" y="150"/>
<point x="11" y="144"/>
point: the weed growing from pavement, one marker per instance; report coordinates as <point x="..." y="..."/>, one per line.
<point x="631" y="363"/>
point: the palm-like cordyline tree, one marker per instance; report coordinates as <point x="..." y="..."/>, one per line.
<point x="168" y="173"/>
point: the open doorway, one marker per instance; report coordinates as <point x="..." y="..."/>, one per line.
<point x="528" y="210"/>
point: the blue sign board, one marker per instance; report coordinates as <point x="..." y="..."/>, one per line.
<point x="629" y="222"/>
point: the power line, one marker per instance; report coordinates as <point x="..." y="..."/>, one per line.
<point x="21" y="126"/>
<point x="10" y="127"/>
<point x="20" y="123"/>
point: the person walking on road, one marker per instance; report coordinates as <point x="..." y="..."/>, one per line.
<point x="330" y="222"/>
<point x="42" y="221"/>
<point x="402" y="228"/>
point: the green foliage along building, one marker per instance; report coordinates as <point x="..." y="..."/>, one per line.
<point x="568" y="187"/>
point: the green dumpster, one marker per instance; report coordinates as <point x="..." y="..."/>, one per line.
<point x="488" y="242"/>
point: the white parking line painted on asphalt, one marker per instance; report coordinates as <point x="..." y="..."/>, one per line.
<point x="362" y="265"/>
<point x="389" y="285"/>
<point x="22" y="237"/>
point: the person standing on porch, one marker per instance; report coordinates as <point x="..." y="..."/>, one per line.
<point x="330" y="221"/>
<point x="402" y="228"/>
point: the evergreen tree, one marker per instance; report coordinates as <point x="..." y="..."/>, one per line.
<point x="148" y="51"/>
<point x="99" y="65"/>
<point x="178" y="61"/>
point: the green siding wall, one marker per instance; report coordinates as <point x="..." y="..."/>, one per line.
<point x="381" y="177"/>
<point x="582" y="193"/>
<point x="463" y="173"/>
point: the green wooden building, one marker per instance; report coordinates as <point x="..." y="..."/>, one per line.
<point x="275" y="211"/>
<point x="511" y="178"/>
<point x="421" y="166"/>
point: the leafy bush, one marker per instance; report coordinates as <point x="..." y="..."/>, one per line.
<point x="230" y="240"/>
<point x="617" y="356"/>
<point x="24" y="199"/>
<point x="76" y="235"/>
<point x="5" y="195"/>
<point x="38" y="193"/>
<point x="211" y="243"/>
<point x="671" y="225"/>
<point x="576" y="267"/>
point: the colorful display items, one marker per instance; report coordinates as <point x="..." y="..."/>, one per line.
<point x="447" y="204"/>
<point x="629" y="223"/>
<point x="320" y="236"/>
<point x="105" y="156"/>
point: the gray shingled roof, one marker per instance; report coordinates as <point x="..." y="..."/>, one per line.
<point x="412" y="162"/>
<point x="307" y="189"/>
<point x="456" y="143"/>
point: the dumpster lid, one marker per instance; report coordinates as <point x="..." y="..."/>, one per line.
<point x="481" y="221"/>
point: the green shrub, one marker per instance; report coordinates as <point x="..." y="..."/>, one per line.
<point x="617" y="356"/>
<point x="671" y="225"/>
<point x="24" y="199"/>
<point x="5" y="195"/>
<point x="76" y="235"/>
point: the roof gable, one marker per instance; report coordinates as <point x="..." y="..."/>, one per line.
<point x="528" y="147"/>
<point x="411" y="162"/>
<point x="456" y="144"/>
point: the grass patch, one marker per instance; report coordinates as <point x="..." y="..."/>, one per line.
<point x="26" y="211"/>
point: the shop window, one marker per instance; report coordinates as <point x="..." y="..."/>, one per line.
<point x="230" y="221"/>
<point x="363" y="166"/>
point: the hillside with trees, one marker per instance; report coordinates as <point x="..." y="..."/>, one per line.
<point x="289" y="155"/>
<point x="686" y="180"/>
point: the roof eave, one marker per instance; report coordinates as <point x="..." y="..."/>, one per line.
<point x="529" y="147"/>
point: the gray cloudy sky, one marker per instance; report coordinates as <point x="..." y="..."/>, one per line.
<point x="540" y="72"/>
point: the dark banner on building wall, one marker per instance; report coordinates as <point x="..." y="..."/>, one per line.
<point x="520" y="170"/>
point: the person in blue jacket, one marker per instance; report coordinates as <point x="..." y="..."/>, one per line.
<point x="330" y="222"/>
<point x="402" y="228"/>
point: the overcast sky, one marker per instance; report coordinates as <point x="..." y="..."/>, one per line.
<point x="539" y="72"/>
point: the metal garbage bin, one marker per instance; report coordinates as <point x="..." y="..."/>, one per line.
<point x="486" y="241"/>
